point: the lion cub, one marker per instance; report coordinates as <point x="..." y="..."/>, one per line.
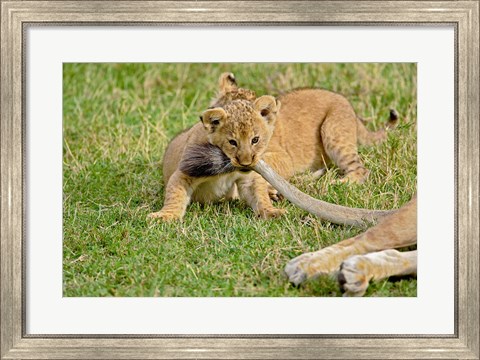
<point x="241" y="128"/>
<point x="313" y="128"/>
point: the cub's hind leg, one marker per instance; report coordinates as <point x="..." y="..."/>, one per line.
<point x="339" y="138"/>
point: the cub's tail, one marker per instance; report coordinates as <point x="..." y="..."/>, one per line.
<point x="366" y="137"/>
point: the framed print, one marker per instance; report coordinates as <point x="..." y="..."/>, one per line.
<point x="92" y="92"/>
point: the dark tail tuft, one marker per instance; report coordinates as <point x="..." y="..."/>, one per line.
<point x="393" y="120"/>
<point x="203" y="160"/>
<point x="368" y="138"/>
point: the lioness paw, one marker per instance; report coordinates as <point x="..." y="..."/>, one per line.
<point x="163" y="216"/>
<point x="271" y="213"/>
<point x="296" y="275"/>
<point x="353" y="277"/>
<point x="294" y="269"/>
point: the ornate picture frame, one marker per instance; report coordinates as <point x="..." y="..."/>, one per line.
<point x="17" y="15"/>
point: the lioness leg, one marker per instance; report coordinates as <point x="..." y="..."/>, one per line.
<point x="340" y="142"/>
<point x="396" y="230"/>
<point x="357" y="271"/>
<point x="177" y="196"/>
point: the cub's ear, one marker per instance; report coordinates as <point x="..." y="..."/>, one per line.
<point x="212" y="119"/>
<point x="227" y="83"/>
<point x="268" y="107"/>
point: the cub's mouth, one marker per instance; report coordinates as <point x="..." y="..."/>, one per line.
<point x="243" y="168"/>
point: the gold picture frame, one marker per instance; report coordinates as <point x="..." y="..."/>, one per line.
<point x="15" y="17"/>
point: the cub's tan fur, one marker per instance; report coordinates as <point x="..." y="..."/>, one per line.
<point x="312" y="129"/>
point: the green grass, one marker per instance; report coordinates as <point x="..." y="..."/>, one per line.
<point x="118" y="119"/>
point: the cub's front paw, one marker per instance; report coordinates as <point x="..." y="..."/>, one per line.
<point x="273" y="194"/>
<point x="295" y="269"/>
<point x="271" y="213"/>
<point x="164" y="216"/>
<point x="353" y="277"/>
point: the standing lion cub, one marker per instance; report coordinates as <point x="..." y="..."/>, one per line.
<point x="303" y="130"/>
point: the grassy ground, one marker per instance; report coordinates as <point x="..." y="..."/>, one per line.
<point x="118" y="119"/>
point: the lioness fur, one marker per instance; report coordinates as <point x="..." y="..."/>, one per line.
<point x="304" y="129"/>
<point x="367" y="256"/>
<point x="357" y="260"/>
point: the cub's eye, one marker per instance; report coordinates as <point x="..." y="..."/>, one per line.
<point x="233" y="142"/>
<point x="255" y="140"/>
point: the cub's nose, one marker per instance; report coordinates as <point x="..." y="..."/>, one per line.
<point x="243" y="162"/>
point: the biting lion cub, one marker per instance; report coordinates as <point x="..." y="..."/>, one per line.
<point x="303" y="130"/>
